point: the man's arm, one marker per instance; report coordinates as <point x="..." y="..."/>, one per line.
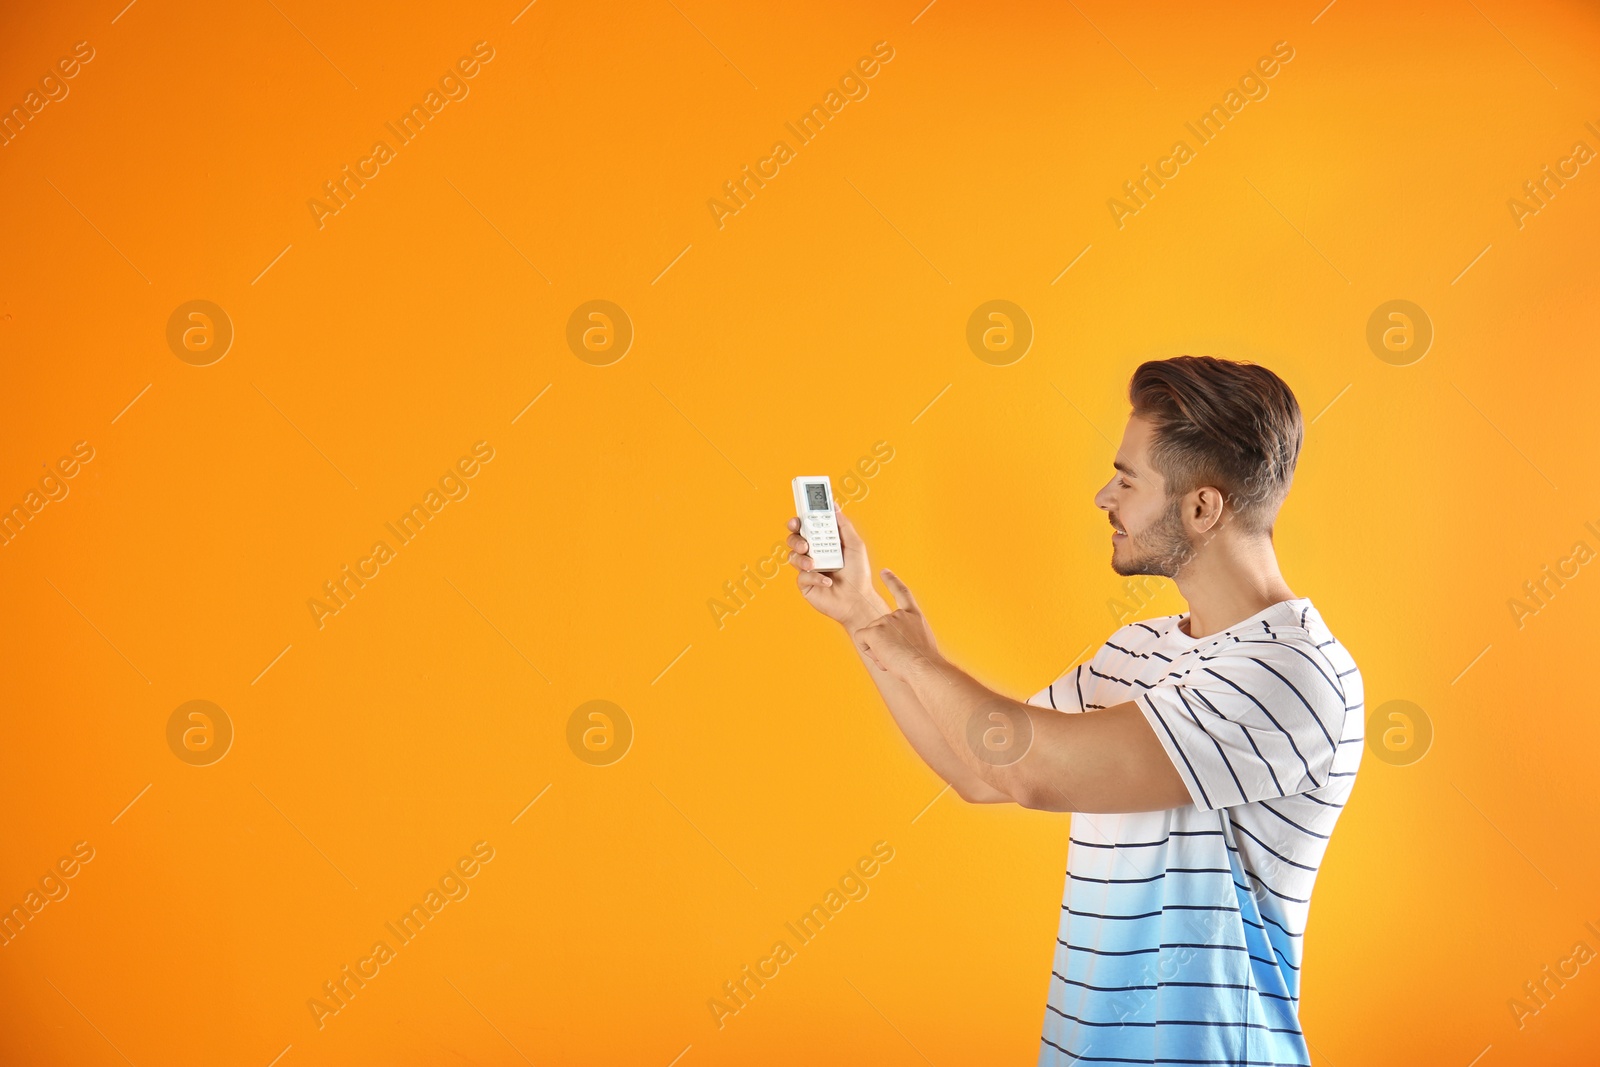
<point x="920" y="729"/>
<point x="1106" y="761"/>
<point x="847" y="597"/>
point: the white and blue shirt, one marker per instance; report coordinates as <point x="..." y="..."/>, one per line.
<point x="1182" y="931"/>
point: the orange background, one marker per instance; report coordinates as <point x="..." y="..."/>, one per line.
<point x="822" y="318"/>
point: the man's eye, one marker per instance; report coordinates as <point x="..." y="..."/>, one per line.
<point x="1123" y="482"/>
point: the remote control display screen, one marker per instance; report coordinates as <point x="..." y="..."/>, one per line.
<point x="816" y="496"/>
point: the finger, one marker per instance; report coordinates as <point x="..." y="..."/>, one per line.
<point x="801" y="562"/>
<point x="902" y="593"/>
<point x="849" y="539"/>
<point x="798" y="544"/>
<point x="792" y="525"/>
<point x="811" y="580"/>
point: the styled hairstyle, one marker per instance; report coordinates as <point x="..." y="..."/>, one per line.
<point x="1234" y="425"/>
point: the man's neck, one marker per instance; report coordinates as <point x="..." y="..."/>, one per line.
<point x="1225" y="588"/>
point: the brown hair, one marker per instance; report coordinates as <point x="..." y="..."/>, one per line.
<point x="1234" y="425"/>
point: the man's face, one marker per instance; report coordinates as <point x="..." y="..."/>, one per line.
<point x="1152" y="538"/>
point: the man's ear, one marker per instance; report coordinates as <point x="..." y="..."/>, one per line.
<point x="1207" y="509"/>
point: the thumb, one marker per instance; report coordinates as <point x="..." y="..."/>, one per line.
<point x="902" y="592"/>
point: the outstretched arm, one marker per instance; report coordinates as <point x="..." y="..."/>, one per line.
<point x="1106" y="761"/>
<point x="847" y="597"/>
<point x="925" y="736"/>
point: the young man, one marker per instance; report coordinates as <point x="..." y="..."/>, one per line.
<point x="1218" y="748"/>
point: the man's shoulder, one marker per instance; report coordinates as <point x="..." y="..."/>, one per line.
<point x="1291" y="648"/>
<point x="1291" y="629"/>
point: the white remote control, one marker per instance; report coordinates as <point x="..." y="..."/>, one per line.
<point x="813" y="503"/>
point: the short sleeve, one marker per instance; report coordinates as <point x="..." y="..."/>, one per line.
<point x="1063" y="694"/>
<point x="1251" y="721"/>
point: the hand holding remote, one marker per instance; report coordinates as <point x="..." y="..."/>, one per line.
<point x="846" y="595"/>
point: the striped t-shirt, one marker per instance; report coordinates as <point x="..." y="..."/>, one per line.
<point x="1181" y="930"/>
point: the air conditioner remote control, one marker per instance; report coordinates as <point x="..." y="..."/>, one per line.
<point x="813" y="503"/>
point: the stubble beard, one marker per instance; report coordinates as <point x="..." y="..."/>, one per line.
<point x="1161" y="550"/>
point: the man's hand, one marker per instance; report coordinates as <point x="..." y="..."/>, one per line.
<point x="846" y="595"/>
<point x="900" y="641"/>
